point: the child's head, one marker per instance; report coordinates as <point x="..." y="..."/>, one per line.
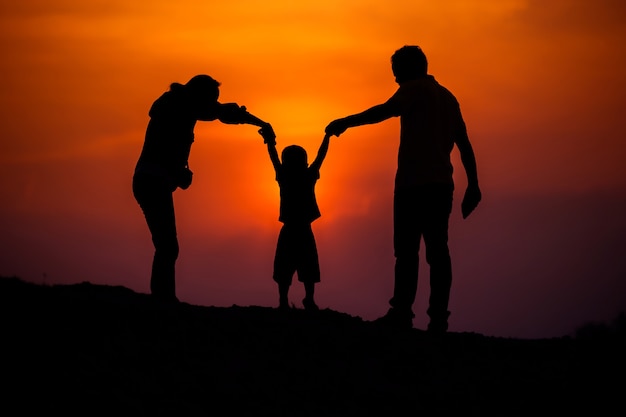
<point x="294" y="157"/>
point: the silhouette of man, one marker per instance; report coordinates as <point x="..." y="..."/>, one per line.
<point x="430" y="125"/>
<point x="296" y="250"/>
<point x="163" y="165"/>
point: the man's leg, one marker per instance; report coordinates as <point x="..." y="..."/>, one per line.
<point x="438" y="256"/>
<point x="406" y="238"/>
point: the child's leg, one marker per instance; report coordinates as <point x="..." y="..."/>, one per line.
<point x="309" y="268"/>
<point x="284" y="267"/>
<point x="309" y="297"/>
<point x="309" y="290"/>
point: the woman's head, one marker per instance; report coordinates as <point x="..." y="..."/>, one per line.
<point x="203" y="87"/>
<point x="294" y="157"/>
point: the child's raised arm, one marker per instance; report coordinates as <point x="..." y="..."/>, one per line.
<point x="269" y="138"/>
<point x="271" y="150"/>
<point x="321" y="153"/>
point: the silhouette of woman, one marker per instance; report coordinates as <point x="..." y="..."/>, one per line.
<point x="163" y="165"/>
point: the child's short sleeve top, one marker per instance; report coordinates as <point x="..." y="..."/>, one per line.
<point x="297" y="195"/>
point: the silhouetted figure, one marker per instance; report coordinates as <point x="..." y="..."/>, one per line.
<point x="296" y="250"/>
<point x="430" y="125"/>
<point x="163" y="165"/>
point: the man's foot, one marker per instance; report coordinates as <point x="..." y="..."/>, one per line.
<point x="165" y="298"/>
<point x="437" y="328"/>
<point x="309" y="304"/>
<point x="396" y="319"/>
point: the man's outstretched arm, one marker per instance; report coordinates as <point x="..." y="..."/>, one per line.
<point x="372" y="115"/>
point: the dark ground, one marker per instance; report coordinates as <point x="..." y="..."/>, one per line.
<point x="94" y="350"/>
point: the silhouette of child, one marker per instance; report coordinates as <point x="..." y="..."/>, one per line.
<point x="296" y="250"/>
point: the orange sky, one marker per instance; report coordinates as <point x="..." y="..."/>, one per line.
<point x="541" y="85"/>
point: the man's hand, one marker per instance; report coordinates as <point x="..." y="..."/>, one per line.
<point x="336" y="127"/>
<point x="470" y="200"/>
<point x="267" y="132"/>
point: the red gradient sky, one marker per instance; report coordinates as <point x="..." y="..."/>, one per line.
<point x="542" y="85"/>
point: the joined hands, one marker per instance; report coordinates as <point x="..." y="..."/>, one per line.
<point x="336" y="127"/>
<point x="267" y="132"/>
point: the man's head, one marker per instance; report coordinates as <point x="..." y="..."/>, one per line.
<point x="409" y="63"/>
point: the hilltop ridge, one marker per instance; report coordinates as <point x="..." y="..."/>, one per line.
<point x="102" y="350"/>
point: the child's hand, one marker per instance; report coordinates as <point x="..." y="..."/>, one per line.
<point x="267" y="132"/>
<point x="336" y="127"/>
